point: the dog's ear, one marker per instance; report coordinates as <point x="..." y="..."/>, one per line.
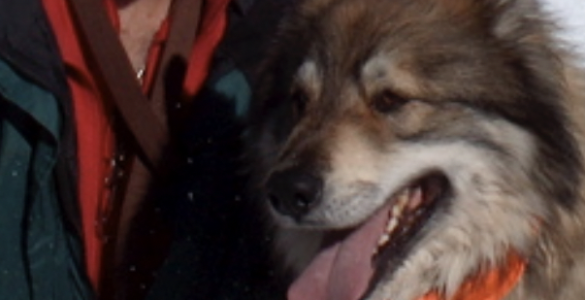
<point x="525" y="29"/>
<point x="509" y="20"/>
<point x="518" y="20"/>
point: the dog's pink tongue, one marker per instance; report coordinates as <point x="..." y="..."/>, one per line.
<point x="342" y="271"/>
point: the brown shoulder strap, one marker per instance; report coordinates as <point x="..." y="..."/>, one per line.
<point x="144" y="119"/>
<point x="120" y="84"/>
<point x="183" y="28"/>
<point x="184" y="25"/>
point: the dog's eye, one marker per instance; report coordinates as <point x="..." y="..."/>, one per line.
<point x="387" y="102"/>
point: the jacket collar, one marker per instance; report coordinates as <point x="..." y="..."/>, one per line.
<point x="28" y="45"/>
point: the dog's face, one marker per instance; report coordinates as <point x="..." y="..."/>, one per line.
<point x="443" y="115"/>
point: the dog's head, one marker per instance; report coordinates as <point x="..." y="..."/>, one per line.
<point x="447" y="117"/>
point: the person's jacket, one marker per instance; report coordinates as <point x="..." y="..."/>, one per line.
<point x="41" y="255"/>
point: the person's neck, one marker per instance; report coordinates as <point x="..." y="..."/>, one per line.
<point x="139" y="22"/>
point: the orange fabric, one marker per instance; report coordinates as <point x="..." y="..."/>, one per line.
<point x="492" y="285"/>
<point x="95" y="136"/>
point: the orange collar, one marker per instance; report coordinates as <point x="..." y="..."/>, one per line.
<point x="493" y="284"/>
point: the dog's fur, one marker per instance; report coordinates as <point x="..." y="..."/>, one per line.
<point x="370" y="94"/>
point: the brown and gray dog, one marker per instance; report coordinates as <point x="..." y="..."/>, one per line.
<point x="406" y="146"/>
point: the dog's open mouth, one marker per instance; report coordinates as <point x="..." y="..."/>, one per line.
<point x="408" y="212"/>
<point x="345" y="269"/>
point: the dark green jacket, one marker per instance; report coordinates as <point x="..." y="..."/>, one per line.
<point x="41" y="255"/>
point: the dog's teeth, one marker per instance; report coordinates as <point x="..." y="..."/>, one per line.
<point x="403" y="198"/>
<point x="416" y="198"/>
<point x="391" y="225"/>
<point x="396" y="210"/>
<point x="384" y="239"/>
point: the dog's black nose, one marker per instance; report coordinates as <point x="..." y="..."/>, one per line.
<point x="293" y="192"/>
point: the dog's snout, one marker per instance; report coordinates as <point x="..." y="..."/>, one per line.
<point x="293" y="192"/>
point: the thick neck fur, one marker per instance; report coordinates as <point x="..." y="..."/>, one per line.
<point x="557" y="267"/>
